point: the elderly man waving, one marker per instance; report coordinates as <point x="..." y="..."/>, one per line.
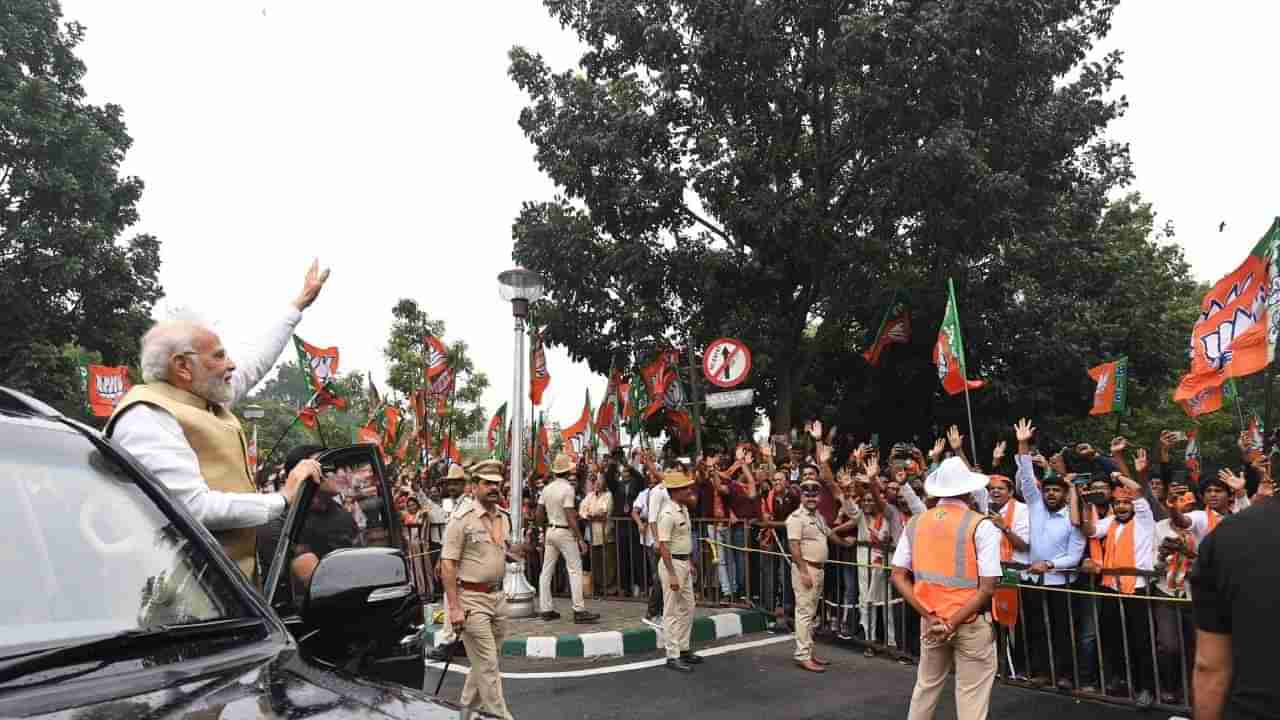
<point x="178" y="425"/>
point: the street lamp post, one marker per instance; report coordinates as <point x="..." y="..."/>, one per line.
<point x="519" y="287"/>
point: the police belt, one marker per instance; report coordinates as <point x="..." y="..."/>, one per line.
<point x="560" y="527"/>
<point x="480" y="587"/>
<point x="684" y="557"/>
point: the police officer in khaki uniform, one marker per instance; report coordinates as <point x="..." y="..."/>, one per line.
<point x="807" y="534"/>
<point x="675" y="542"/>
<point x="473" y="562"/>
<point x="558" y="508"/>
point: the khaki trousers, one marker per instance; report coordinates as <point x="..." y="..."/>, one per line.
<point x="973" y="652"/>
<point x="806" y="610"/>
<point x="677" y="607"/>
<point x="482" y="634"/>
<point x="561" y="542"/>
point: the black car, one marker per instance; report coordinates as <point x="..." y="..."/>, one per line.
<point x="117" y="604"/>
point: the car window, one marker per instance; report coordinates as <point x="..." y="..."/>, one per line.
<point x="85" y="552"/>
<point x="348" y="510"/>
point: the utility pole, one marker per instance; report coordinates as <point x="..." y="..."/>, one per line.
<point x="696" y="404"/>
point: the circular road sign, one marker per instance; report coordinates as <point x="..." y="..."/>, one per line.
<point x="726" y="362"/>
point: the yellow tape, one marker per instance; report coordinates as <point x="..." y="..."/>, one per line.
<point x="1052" y="588"/>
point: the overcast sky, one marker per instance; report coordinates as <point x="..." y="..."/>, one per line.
<point x="381" y="137"/>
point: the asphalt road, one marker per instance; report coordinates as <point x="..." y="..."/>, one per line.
<point x="750" y="683"/>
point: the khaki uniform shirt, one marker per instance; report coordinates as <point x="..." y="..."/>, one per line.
<point x="477" y="540"/>
<point x="674" y="528"/>
<point x="557" y="496"/>
<point x="811" y="532"/>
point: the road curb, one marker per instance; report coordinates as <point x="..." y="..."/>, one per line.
<point x="617" y="643"/>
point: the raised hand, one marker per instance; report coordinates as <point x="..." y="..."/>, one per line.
<point x="823" y="454"/>
<point x="872" y="467"/>
<point x="1166" y="439"/>
<point x="312" y="284"/>
<point x="815" y="430"/>
<point x="1233" y="481"/>
<point x="938" y="446"/>
<point x="1140" y="462"/>
<point x="1023" y="430"/>
<point x="1119" y="445"/>
<point x="998" y="453"/>
<point x="954" y="438"/>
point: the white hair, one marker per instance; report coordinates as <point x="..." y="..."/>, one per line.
<point x="164" y="340"/>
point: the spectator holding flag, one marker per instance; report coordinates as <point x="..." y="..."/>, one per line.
<point x="178" y="424"/>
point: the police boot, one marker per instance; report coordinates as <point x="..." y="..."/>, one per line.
<point x="679" y="665"/>
<point x="689" y="658"/>
<point x="585" y="617"/>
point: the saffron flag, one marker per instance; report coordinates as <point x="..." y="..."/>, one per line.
<point x="496" y="424"/>
<point x="391" y="425"/>
<point x="104" y="387"/>
<point x="441" y="389"/>
<point x="1235" y="334"/>
<point x="539" y="376"/>
<point x="369" y="434"/>
<point x="541" y="446"/>
<point x="253" y="452"/>
<point x="1191" y="458"/>
<point x="320" y="367"/>
<point x="1111" y="379"/>
<point x="1207" y="400"/>
<point x="659" y="375"/>
<point x="607" y="417"/>
<point x="948" y="353"/>
<point x="894" y="328"/>
<point x="435" y="356"/>
<point x="577" y="435"/>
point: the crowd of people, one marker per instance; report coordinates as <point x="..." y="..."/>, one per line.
<point x="1110" y="522"/>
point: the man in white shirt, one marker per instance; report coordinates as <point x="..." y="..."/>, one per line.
<point x="178" y="423"/>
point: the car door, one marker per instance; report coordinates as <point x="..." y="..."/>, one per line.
<point x="339" y="575"/>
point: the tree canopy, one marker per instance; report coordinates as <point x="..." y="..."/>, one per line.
<point x="776" y="170"/>
<point x="69" y="284"/>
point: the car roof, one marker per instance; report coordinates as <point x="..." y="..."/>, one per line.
<point x="20" y="409"/>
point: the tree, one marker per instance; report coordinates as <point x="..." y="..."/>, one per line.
<point x="773" y="170"/>
<point x="67" y="282"/>
<point x="405" y="352"/>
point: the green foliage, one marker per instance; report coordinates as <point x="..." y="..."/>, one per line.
<point x="66" y="279"/>
<point x="405" y="351"/>
<point x="775" y="170"/>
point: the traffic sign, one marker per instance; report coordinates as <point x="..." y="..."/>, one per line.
<point x="733" y="398"/>
<point x="726" y="362"/>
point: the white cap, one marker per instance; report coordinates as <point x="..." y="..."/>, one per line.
<point x="953" y="478"/>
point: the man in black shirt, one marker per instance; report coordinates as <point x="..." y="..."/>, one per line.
<point x="625" y="484"/>
<point x="1235" y="589"/>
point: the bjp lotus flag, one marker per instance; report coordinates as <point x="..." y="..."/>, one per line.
<point x="894" y="328"/>
<point x="1239" y="321"/>
<point x="1208" y="400"/>
<point x="539" y="376"/>
<point x="948" y="352"/>
<point x="105" y="386"/>
<point x="1109" y="392"/>
<point x="576" y="435"/>
<point x="496" y="424"/>
<point x="436" y="355"/>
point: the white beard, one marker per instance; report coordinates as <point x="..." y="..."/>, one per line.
<point x="214" y="389"/>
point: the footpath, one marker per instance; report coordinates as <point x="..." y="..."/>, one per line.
<point x="620" y="631"/>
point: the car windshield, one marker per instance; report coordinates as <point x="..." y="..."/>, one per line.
<point x="86" y="553"/>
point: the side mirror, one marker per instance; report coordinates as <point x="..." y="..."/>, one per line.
<point x="362" y="593"/>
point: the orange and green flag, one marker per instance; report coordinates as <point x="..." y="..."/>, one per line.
<point x="577" y="435"/>
<point x="894" y="328"/>
<point x="539" y="376"/>
<point x="1235" y="334"/>
<point x="1111" y="381"/>
<point x="104" y="387"/>
<point x="948" y="352"/>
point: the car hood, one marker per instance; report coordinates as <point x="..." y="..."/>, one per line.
<point x="286" y="686"/>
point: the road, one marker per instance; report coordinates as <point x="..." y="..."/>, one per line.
<point x="750" y="679"/>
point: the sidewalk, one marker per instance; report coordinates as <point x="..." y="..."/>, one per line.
<point x="620" y="630"/>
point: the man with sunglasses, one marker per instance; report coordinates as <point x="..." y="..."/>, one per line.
<point x="179" y="425"/>
<point x="807" y="536"/>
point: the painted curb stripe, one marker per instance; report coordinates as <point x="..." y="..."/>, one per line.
<point x="638" y="640"/>
<point x="703" y="630"/>
<point x="541" y="647"/>
<point x="602" y="644"/>
<point x="727" y="625"/>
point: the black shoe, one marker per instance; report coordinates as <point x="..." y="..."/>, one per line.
<point x="550" y="615"/>
<point x="585" y="617"/>
<point x="691" y="659"/>
<point x="679" y="664"/>
<point x="438" y="655"/>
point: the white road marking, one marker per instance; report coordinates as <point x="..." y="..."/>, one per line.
<point x="640" y="665"/>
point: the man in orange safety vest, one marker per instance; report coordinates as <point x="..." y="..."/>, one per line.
<point x="946" y="565"/>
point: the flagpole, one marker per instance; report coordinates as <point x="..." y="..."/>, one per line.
<point x="296" y="418"/>
<point x="973" y="441"/>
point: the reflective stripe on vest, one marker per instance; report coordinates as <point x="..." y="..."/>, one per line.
<point x="944" y="578"/>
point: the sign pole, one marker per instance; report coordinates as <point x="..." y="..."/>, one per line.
<point x="696" y="387"/>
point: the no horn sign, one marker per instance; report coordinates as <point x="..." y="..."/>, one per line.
<point x="726" y="362"/>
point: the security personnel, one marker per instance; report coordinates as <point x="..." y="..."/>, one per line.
<point x="558" y="508"/>
<point x="946" y="565"/>
<point x="807" y="536"/>
<point x="455" y="505"/>
<point x="675" y="542"/>
<point x="473" y="562"/>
